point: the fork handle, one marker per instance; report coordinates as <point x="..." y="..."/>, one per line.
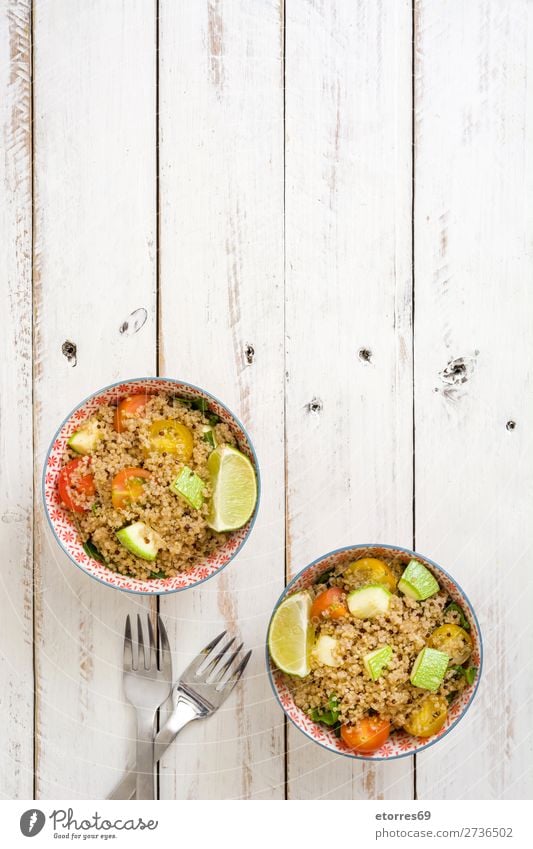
<point x="145" y="755"/>
<point x="182" y="714"/>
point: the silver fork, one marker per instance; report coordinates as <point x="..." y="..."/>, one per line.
<point x="146" y="687"/>
<point x="201" y="690"/>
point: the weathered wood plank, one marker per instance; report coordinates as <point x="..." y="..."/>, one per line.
<point x="221" y="155"/>
<point x="473" y="341"/>
<point x="16" y="511"/>
<point x="348" y="287"/>
<point x="95" y="222"/>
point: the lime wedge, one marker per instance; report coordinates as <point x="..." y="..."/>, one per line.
<point x="429" y="669"/>
<point x="368" y="602"/>
<point x="417" y="582"/>
<point x="234" y="489"/>
<point x="376" y="661"/>
<point x="290" y="638"/>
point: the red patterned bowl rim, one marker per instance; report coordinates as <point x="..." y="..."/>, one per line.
<point x="400" y="744"/>
<point x="64" y="529"/>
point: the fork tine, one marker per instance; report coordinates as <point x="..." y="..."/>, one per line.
<point x="152" y="657"/>
<point x="227" y="665"/>
<point x="166" y="654"/>
<point x="127" y="662"/>
<point x="227" y="686"/>
<point x="141" y="660"/>
<point x="202" y="656"/>
<point x="211" y="668"/>
<point x="210" y="646"/>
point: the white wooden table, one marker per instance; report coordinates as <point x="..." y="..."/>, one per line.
<point x="332" y="230"/>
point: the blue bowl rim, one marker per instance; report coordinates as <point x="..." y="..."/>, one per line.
<point x="409" y="551"/>
<point x="140" y="380"/>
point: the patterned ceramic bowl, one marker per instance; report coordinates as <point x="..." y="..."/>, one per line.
<point x="64" y="529"/>
<point x="400" y="744"/>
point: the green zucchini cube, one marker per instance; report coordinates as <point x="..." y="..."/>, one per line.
<point x="190" y="486"/>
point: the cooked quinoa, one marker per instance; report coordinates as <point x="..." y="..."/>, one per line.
<point x="184" y="537"/>
<point x="406" y="627"/>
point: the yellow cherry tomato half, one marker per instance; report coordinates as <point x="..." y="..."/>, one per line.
<point x="428" y="719"/>
<point x="168" y="436"/>
<point x="370" y="570"/>
<point x="453" y="641"/>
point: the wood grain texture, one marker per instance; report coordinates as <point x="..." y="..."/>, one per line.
<point x="473" y="342"/>
<point x="221" y="158"/>
<point x="95" y="222"/>
<point x="348" y="288"/>
<point x="16" y="513"/>
<point x="325" y="359"/>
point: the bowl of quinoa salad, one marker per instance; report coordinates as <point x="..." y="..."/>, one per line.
<point x="134" y="483"/>
<point x="374" y="652"/>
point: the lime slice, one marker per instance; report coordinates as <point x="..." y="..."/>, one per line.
<point x="376" y="661"/>
<point x="417" y="582"/>
<point x="234" y="489"/>
<point x="290" y="638"/>
<point x="368" y="602"/>
<point x="429" y="669"/>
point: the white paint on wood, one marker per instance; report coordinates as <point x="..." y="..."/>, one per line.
<point x="348" y="289"/>
<point x="94" y="126"/>
<point x="16" y="664"/>
<point x="221" y="131"/>
<point x="474" y="300"/>
<point x="348" y="159"/>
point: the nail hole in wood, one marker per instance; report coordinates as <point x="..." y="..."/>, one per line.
<point x="315" y="406"/>
<point x="249" y="354"/>
<point x="365" y="355"/>
<point x="134" y="322"/>
<point x="69" y="350"/>
<point x="510" y="425"/>
<point x="459" y="370"/>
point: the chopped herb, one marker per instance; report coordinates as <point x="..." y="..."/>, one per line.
<point x="95" y="508"/>
<point x="90" y="549"/>
<point x="324" y="577"/>
<point x="328" y="715"/>
<point x="159" y="574"/>
<point x="469" y="672"/>
<point x="199" y="404"/>
<point x="209" y="437"/>
<point x="451" y="696"/>
<point x="186" y="402"/>
<point x="463" y="621"/>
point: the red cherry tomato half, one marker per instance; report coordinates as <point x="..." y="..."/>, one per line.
<point x="75" y="485"/>
<point x="127" y="408"/>
<point x="329" y="605"/>
<point x="127" y="486"/>
<point x="367" y="735"/>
